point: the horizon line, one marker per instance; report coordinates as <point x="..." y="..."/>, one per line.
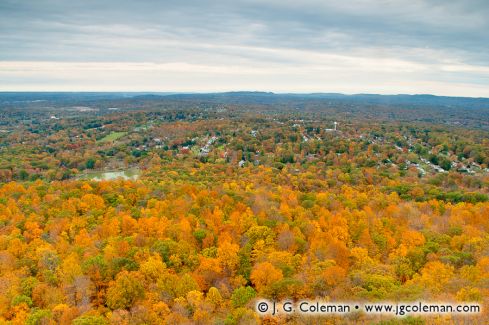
<point x="169" y="93"/>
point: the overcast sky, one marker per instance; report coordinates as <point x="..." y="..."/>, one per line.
<point x="355" y="46"/>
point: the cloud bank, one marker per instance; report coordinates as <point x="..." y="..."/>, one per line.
<point x="383" y="46"/>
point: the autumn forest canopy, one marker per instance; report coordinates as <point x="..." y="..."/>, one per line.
<point x="172" y="208"/>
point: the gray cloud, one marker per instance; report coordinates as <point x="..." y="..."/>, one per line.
<point x="369" y="44"/>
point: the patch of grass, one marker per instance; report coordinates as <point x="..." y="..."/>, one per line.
<point x="113" y="136"/>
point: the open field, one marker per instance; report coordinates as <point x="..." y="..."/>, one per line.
<point x="113" y="136"/>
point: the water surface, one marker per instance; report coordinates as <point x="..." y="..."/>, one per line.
<point x="128" y="174"/>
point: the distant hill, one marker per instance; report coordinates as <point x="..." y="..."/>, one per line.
<point x="247" y="97"/>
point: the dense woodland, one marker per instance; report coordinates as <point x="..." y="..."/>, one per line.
<point x="239" y="197"/>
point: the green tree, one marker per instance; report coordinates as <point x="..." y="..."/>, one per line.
<point x="242" y="296"/>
